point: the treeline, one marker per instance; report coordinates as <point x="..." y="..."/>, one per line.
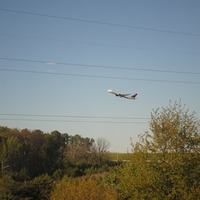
<point x="36" y="153"/>
<point x="33" y="159"/>
<point x="164" y="164"/>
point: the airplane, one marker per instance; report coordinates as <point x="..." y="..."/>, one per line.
<point x="127" y="96"/>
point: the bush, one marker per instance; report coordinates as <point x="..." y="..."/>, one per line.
<point x="82" y="189"/>
<point x="37" y="189"/>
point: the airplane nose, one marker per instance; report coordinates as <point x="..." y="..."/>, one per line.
<point x="109" y="90"/>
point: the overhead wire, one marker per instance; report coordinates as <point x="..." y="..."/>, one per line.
<point x="77" y="117"/>
<point x="100" y="66"/>
<point x="85" y="118"/>
<point x="100" y="44"/>
<point x="101" y="23"/>
<point x="93" y="76"/>
<point x="97" y="76"/>
<point x="70" y="116"/>
<point x="77" y="121"/>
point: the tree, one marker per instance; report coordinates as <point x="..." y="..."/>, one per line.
<point x="3" y="151"/>
<point x="14" y="154"/>
<point x="38" y="188"/>
<point x="172" y="152"/>
<point x="78" y="148"/>
<point x="100" y="147"/>
<point x="174" y="130"/>
<point x="52" y="149"/>
<point x="165" y="163"/>
<point x="33" y="142"/>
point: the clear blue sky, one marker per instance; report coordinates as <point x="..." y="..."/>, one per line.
<point x="79" y="38"/>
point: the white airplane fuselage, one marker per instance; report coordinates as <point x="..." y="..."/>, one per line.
<point x="118" y="94"/>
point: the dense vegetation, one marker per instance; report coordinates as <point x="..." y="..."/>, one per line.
<point x="32" y="160"/>
<point x="164" y="164"/>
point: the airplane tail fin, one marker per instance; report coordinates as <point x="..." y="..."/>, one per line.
<point x="134" y="95"/>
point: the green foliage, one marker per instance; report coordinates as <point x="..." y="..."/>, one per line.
<point x="84" y="188"/>
<point x="38" y="153"/>
<point x="166" y="163"/>
<point x="14" y="151"/>
<point x="25" y="155"/>
<point x="78" y="148"/>
<point x="7" y="185"/>
<point x="38" y="188"/>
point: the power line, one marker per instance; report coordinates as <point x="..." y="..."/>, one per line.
<point x="73" y="116"/>
<point x="76" y="121"/>
<point x="99" y="44"/>
<point x="101" y="66"/>
<point x="70" y="116"/>
<point x="102" y="23"/>
<point x="95" y="76"/>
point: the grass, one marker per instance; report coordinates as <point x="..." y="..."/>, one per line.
<point x="119" y="156"/>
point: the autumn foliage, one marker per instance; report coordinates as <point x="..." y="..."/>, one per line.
<point x="164" y="163"/>
<point x="84" y="188"/>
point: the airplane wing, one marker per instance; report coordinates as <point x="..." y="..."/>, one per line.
<point x="117" y="93"/>
<point x="131" y="97"/>
<point x="125" y="94"/>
